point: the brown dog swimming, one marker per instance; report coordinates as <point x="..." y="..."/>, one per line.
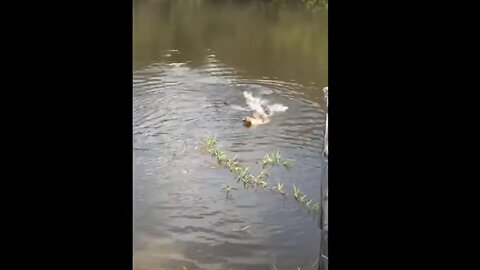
<point x="261" y="111"/>
<point x="255" y="119"/>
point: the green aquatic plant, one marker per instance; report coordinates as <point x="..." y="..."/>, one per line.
<point x="218" y="154"/>
<point x="286" y="163"/>
<point x="221" y="157"/>
<point x="211" y="141"/>
<point x="242" y="173"/>
<point x="279" y="188"/>
<point x="232" y="163"/>
<point x="296" y="193"/>
<point x="271" y="159"/>
<point x="263" y="175"/>
<point x="261" y="179"/>
<point x="248" y="180"/>
<point x="211" y="145"/>
<point x="307" y="204"/>
<point x="302" y="198"/>
<point x="235" y="168"/>
<point x="262" y="183"/>
<point x="275" y="159"/>
<point x="228" y="190"/>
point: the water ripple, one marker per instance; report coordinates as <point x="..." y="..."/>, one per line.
<point x="181" y="212"/>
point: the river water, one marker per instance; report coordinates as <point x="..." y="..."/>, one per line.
<point x="192" y="62"/>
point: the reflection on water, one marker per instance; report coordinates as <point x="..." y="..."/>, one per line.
<point x="192" y="62"/>
<point x="256" y="38"/>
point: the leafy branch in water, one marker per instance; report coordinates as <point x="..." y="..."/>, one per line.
<point x="248" y="180"/>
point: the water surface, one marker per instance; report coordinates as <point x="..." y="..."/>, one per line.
<point x="192" y="61"/>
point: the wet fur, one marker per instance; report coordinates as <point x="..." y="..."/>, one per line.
<point x="256" y="119"/>
<point x="261" y="112"/>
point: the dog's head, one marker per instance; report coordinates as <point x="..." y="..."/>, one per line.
<point x="247" y="121"/>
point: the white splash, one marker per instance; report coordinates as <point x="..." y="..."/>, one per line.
<point x="239" y="108"/>
<point x="261" y="105"/>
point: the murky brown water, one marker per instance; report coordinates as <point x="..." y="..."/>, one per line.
<point x="192" y="61"/>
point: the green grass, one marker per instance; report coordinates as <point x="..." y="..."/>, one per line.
<point x="247" y="179"/>
<point x="274" y="159"/>
<point x="296" y="193"/>
<point x="279" y="188"/>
